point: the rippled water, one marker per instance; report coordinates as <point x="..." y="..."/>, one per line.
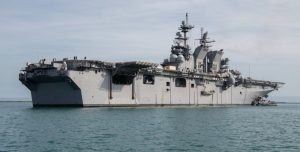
<point x="243" y="128"/>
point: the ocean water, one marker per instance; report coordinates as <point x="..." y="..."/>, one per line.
<point x="242" y="128"/>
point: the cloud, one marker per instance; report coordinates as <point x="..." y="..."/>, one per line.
<point x="261" y="33"/>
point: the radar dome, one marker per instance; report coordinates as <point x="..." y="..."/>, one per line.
<point x="180" y="58"/>
<point x="173" y="57"/>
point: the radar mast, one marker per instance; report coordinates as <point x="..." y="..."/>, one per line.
<point x="178" y="48"/>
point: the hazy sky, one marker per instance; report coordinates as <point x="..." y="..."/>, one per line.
<point x="263" y="34"/>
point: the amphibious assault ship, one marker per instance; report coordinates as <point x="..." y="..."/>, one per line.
<point x="201" y="77"/>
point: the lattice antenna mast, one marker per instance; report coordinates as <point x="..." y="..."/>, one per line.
<point x="184" y="28"/>
<point x="204" y="40"/>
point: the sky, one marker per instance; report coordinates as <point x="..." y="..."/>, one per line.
<point x="261" y="38"/>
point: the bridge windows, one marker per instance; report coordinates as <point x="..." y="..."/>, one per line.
<point x="180" y="82"/>
<point x="148" y="79"/>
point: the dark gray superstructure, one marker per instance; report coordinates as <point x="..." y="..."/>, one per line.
<point x="199" y="78"/>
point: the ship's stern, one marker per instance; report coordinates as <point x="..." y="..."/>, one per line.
<point x="50" y="86"/>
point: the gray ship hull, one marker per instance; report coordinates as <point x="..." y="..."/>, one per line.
<point x="88" y="88"/>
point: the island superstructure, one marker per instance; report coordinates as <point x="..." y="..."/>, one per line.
<point x="186" y="78"/>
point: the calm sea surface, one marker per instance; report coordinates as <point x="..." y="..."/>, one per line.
<point x="243" y="128"/>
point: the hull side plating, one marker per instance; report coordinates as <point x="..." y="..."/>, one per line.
<point x="93" y="90"/>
